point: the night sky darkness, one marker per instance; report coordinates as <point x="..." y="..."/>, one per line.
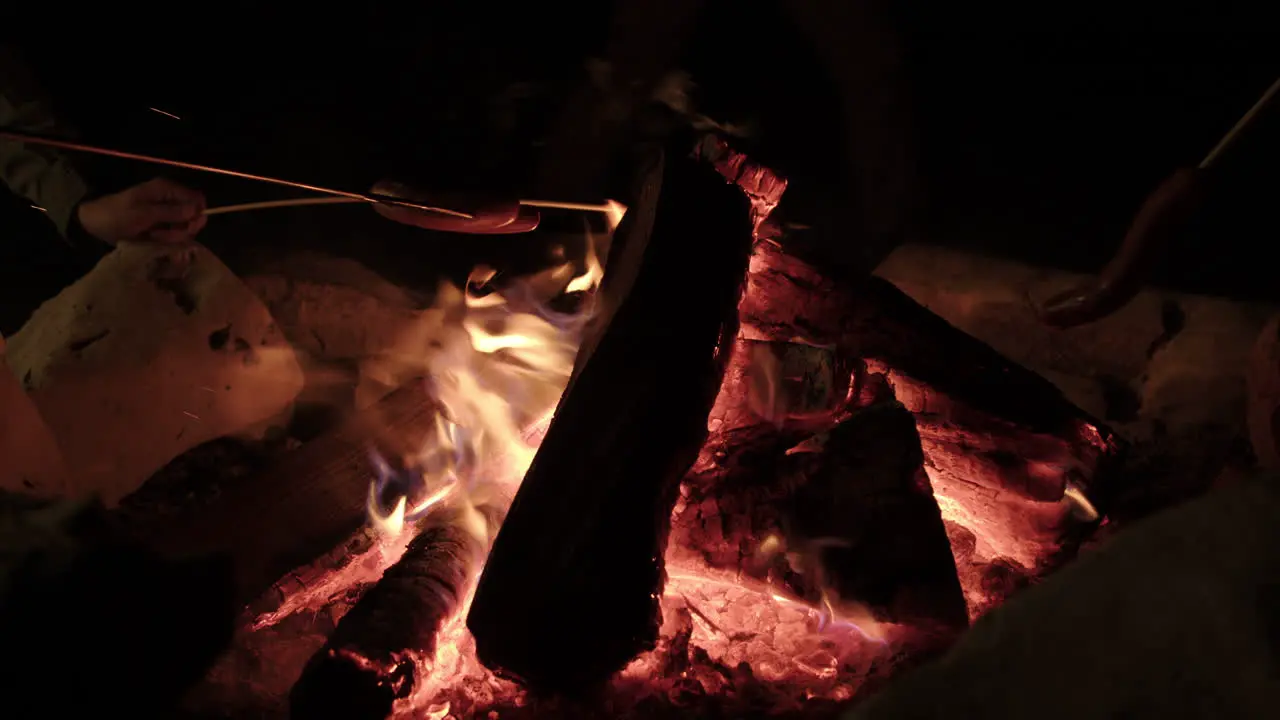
<point x="1038" y="137"/>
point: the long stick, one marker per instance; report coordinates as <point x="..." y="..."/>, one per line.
<point x="31" y="139"/>
<point x="298" y="202"/>
<point x="1239" y="127"/>
<point x="268" y="204"/>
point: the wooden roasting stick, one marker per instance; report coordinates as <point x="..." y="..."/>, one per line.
<point x="570" y="592"/>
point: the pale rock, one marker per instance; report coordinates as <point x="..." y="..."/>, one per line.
<point x="340" y="313"/>
<point x="156" y="350"/>
<point x="1198" y="377"/>
<point x="1263" y="383"/>
<point x="334" y="308"/>
<point x="30" y="460"/>
<point x="1182" y="355"/>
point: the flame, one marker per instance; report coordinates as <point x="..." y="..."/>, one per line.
<point x="613" y="212"/>
<point x="496" y="367"/>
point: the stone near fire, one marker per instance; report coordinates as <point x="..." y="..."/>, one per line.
<point x="334" y="308"/>
<point x="32" y="463"/>
<point x="155" y="351"/>
<point x="1263" y="377"/>
<point x="350" y="326"/>
<point x="297" y="507"/>
<point x="1175" y="358"/>
<point x="1173" y="617"/>
<point x="1167" y="369"/>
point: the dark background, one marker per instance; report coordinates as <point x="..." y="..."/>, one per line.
<point x="1037" y="137"/>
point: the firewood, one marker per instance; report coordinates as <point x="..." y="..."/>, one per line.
<point x="309" y="502"/>
<point x="851" y="504"/>
<point x="995" y="434"/>
<point x="872" y="319"/>
<point x="373" y="656"/>
<point x="868" y="512"/>
<point x="570" y="592"/>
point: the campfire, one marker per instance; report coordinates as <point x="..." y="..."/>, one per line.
<point x="699" y="475"/>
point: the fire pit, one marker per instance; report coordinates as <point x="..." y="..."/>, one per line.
<point x="764" y="491"/>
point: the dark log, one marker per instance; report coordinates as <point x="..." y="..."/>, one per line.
<point x="867" y="512"/>
<point x="983" y="418"/>
<point x="851" y="501"/>
<point x="310" y="501"/>
<point x="868" y="318"/>
<point x="873" y="320"/>
<point x="374" y="654"/>
<point x="997" y="437"/>
<point x="570" y="592"/>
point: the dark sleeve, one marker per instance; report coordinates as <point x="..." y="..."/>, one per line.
<point x="42" y="176"/>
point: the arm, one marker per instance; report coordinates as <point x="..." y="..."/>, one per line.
<point x="157" y="210"/>
<point x="42" y="176"/>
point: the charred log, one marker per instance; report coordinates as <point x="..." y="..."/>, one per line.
<point x="374" y="654"/>
<point x="868" y="513"/>
<point x="868" y="319"/>
<point x="570" y="592"/>
<point x="851" y="505"/>
<point x="298" y="509"/>
<point x="995" y="434"/>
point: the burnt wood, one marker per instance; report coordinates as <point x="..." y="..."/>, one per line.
<point x="301" y="507"/>
<point x="867" y="511"/>
<point x="570" y="592"/>
<point x="966" y="396"/>
<point x="372" y="658"/>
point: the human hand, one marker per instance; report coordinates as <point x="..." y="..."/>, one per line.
<point x="158" y="210"/>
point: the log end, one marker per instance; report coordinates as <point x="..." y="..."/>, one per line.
<point x="560" y="653"/>
<point x="336" y="684"/>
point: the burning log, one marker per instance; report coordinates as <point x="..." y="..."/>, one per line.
<point x="850" y="503"/>
<point x="570" y="592"/>
<point x="373" y="656"/>
<point x="868" y="511"/>
<point x="995" y="434"/>
<point x="961" y="389"/>
<point x="308" y="503"/>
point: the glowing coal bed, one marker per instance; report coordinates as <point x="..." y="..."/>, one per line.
<point x="735" y="640"/>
